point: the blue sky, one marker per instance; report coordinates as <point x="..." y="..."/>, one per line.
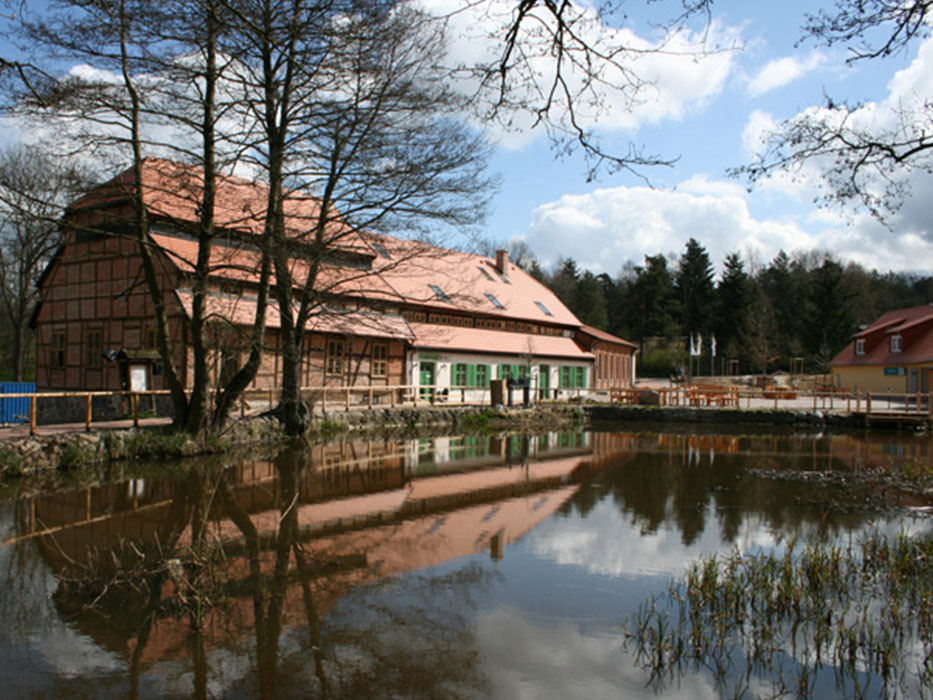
<point x="604" y="224"/>
<point x="704" y="112"/>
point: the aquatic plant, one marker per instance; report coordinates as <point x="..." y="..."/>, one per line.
<point x="861" y="611"/>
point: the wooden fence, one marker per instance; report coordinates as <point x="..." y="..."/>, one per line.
<point x="347" y="397"/>
<point x="327" y="398"/>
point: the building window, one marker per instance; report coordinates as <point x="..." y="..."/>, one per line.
<point x="95" y="348"/>
<point x="860" y="346"/>
<point x="543" y="308"/>
<point x="333" y="362"/>
<point x="380" y="361"/>
<point x="486" y="273"/>
<point x="471" y="376"/>
<point x="440" y="293"/>
<point x="57" y="359"/>
<point x="572" y="377"/>
<point x="381" y="250"/>
<point x="897" y="343"/>
<point x="495" y="302"/>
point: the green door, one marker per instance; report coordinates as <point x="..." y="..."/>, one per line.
<point x="544" y="380"/>
<point x="427" y="379"/>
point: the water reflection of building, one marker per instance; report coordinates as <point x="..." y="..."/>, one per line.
<point x="363" y="510"/>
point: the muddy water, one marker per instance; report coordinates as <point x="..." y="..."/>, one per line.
<point x="464" y="566"/>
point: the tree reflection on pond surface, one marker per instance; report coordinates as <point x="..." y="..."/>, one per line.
<point x="465" y="566"/>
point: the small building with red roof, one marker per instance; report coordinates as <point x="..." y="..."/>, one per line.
<point x="398" y="312"/>
<point x="894" y="353"/>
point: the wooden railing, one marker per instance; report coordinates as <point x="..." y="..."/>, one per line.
<point x="327" y="398"/>
<point x="748" y="397"/>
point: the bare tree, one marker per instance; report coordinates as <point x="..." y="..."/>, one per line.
<point x="159" y="97"/>
<point x="557" y="60"/>
<point x="357" y="134"/>
<point x="860" y="162"/>
<point x="34" y="190"/>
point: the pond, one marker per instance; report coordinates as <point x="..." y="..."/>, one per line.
<point x="444" y="567"/>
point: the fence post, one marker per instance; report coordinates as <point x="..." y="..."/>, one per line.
<point x="32" y="414"/>
<point x="392" y="396"/>
<point x="87" y="412"/>
<point x="135" y="410"/>
<point x="324" y="399"/>
<point x="347" y="403"/>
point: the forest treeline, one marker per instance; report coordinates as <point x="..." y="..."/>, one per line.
<point x="796" y="312"/>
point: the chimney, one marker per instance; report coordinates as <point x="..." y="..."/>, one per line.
<point x="502" y="262"/>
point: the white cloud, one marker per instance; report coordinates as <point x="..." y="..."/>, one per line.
<point x="783" y="71"/>
<point x="609" y="227"/>
<point x="676" y="73"/>
<point x="903" y="114"/>
<point x="606" y="228"/>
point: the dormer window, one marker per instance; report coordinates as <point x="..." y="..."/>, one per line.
<point x="860" y="346"/>
<point x="897" y="343"/>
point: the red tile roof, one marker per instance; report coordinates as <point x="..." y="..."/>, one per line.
<point x="605" y="337"/>
<point x="410" y="273"/>
<point x="241" y="264"/>
<point x="432" y="337"/>
<point x="414" y="267"/>
<point x="877" y="337"/>
<point x="173" y="192"/>
<point x="241" y="311"/>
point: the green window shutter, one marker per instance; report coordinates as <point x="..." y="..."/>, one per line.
<point x="503" y="371"/>
<point x="470" y="375"/>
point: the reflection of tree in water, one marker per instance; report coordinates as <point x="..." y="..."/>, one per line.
<point x="673" y="487"/>
<point x="380" y="643"/>
<point x="201" y="594"/>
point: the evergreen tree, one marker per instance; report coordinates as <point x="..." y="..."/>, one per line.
<point x="651" y="305"/>
<point x="590" y="302"/>
<point x="564" y="282"/>
<point x="785" y="289"/>
<point x="694" y="287"/>
<point x="829" y="314"/>
<point x="733" y="297"/>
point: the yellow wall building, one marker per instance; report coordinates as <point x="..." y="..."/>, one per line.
<point x="894" y="354"/>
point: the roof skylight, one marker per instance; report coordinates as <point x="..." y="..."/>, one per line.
<point x="495" y="302"/>
<point x="543" y="308"/>
<point x="441" y="294"/>
<point x="381" y="249"/>
<point x="486" y="272"/>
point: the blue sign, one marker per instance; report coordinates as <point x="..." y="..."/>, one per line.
<point x="894" y="371"/>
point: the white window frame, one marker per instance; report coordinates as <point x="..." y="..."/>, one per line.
<point x="860" y="346"/>
<point x="897" y="343"/>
